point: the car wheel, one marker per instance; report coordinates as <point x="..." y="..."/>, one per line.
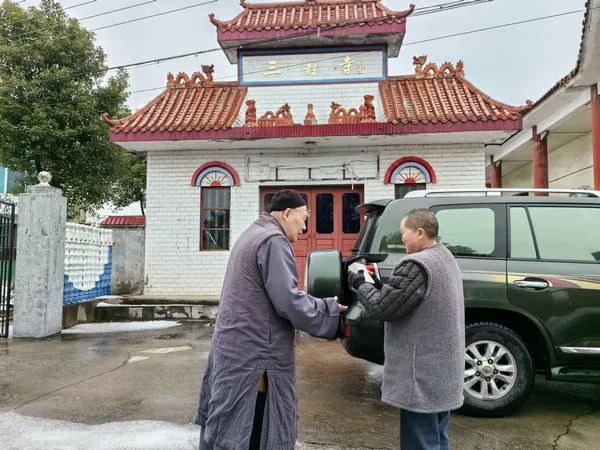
<point x="499" y="370"/>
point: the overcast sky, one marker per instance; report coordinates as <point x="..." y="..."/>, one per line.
<point x="511" y="64"/>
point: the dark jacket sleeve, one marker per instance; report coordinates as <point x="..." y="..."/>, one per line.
<point x="404" y="290"/>
<point x="318" y="317"/>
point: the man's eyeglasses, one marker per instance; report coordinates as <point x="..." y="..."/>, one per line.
<point x="306" y="214"/>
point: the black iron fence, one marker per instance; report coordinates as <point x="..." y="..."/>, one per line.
<point x="8" y="243"/>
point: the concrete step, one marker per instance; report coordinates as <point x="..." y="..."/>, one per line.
<point x="132" y="308"/>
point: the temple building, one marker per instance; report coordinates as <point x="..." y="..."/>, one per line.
<point x="314" y="108"/>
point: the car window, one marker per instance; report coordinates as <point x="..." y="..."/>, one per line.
<point x="391" y="240"/>
<point x="521" y="238"/>
<point x="366" y="231"/>
<point x="567" y="233"/>
<point x="468" y="231"/>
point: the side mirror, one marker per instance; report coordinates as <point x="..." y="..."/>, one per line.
<point x="323" y="273"/>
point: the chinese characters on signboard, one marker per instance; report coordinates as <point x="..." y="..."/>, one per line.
<point x="272" y="69"/>
<point x="311" y="69"/>
<point x="315" y="67"/>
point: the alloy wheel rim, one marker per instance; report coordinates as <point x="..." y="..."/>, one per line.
<point x="490" y="370"/>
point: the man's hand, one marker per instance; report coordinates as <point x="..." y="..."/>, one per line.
<point x="340" y="306"/>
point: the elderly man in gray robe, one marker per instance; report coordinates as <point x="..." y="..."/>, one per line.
<point x="248" y="394"/>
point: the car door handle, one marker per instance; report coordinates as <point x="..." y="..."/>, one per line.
<point x="532" y="284"/>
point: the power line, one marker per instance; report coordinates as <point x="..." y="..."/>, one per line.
<point x="68" y="7"/>
<point x="409" y="43"/>
<point x="260" y="71"/>
<point x="447" y="6"/>
<point x="305" y="33"/>
<point x="419" y="11"/>
<point x="64" y="9"/>
<point x="117" y="10"/>
<point x="495" y="27"/>
<point x="164" y="13"/>
<point x="266" y="41"/>
<point x="93" y="16"/>
<point x="79" y="4"/>
<point x="426" y="10"/>
<point x="155" y="15"/>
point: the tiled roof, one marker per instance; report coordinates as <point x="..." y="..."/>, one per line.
<point x="195" y="108"/>
<point x="440" y="95"/>
<point x="187" y="104"/>
<point x="308" y="14"/>
<point x="123" y="221"/>
<point x="575" y="71"/>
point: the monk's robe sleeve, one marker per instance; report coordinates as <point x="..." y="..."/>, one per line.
<point x="318" y="317"/>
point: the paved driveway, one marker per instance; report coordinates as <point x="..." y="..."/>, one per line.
<point x="101" y="380"/>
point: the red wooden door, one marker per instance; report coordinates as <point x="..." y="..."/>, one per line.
<point x="334" y="223"/>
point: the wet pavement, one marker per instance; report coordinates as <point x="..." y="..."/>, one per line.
<point x="100" y="379"/>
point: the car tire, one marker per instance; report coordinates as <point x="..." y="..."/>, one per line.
<point x="504" y="381"/>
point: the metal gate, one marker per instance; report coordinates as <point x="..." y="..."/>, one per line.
<point x="7" y="259"/>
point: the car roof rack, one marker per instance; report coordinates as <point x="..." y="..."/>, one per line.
<point x="500" y="192"/>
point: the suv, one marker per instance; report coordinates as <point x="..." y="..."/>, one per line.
<point x="531" y="274"/>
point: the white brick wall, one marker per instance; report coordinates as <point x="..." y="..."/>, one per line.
<point x="174" y="264"/>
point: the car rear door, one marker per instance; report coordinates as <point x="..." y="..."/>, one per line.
<point x="554" y="273"/>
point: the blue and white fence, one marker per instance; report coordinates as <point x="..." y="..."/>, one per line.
<point x="88" y="263"/>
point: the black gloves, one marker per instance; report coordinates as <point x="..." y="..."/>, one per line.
<point x="355" y="280"/>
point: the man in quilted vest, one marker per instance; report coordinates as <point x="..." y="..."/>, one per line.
<point x="422" y="305"/>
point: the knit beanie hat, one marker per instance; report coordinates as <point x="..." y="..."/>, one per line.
<point x="287" y="198"/>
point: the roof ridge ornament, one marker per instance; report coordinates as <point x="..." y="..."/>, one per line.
<point x="106" y="117"/>
<point x="310" y="118"/>
<point x="251" y="114"/>
<point x="204" y="78"/>
<point x="214" y="20"/>
<point x="447" y="69"/>
<point x="364" y="114"/>
<point x="282" y="117"/>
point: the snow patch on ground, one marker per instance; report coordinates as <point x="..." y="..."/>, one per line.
<point x="22" y="432"/>
<point x="119" y="327"/>
<point x="164" y="350"/>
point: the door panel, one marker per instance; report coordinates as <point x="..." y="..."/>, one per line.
<point x="554" y="273"/>
<point x="323" y="228"/>
<point x="334" y="223"/>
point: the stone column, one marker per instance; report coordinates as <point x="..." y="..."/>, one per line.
<point x="39" y="284"/>
<point x="596" y="135"/>
<point x="540" y="160"/>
